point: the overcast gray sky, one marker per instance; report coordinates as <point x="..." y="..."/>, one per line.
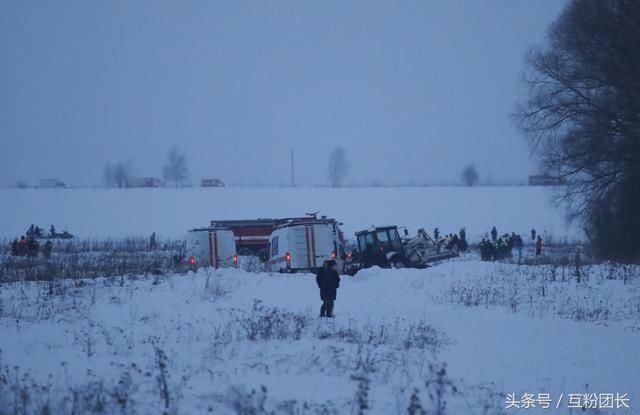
<point x="412" y="89"/>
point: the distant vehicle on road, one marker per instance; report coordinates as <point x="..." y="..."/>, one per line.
<point x="53" y="184"/>
<point x="211" y="183"/>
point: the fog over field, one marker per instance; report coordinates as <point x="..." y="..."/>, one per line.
<point x="171" y="212"/>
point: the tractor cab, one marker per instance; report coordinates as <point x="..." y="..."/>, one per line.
<point x="381" y="246"/>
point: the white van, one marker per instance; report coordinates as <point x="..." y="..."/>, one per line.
<point x="210" y="247"/>
<point x="304" y="246"/>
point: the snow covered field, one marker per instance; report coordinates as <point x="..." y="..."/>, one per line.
<point x="458" y="338"/>
<point x="234" y="342"/>
<point x="170" y="212"/>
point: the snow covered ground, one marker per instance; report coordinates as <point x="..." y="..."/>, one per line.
<point x="466" y="334"/>
<point x="170" y="212"/>
<point x="227" y="341"/>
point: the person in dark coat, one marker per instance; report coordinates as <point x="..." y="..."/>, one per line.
<point x="46" y="252"/>
<point x="436" y="234"/>
<point x="454" y="241"/>
<point x="485" y="248"/>
<point x="538" y="246"/>
<point x="518" y="244"/>
<point x="22" y="246"/>
<point x="14" y="247"/>
<point x="533" y="234"/>
<point x="32" y="247"/>
<point x="152" y="241"/>
<point x="328" y="281"/>
<point x="462" y="242"/>
<point x="494" y="234"/>
<point x="491" y="251"/>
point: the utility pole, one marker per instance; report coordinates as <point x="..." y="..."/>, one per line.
<point x="293" y="182"/>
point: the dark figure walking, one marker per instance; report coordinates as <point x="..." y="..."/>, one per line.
<point x="46" y="251"/>
<point x="152" y="241"/>
<point x="494" y="234"/>
<point x="14" y="247"/>
<point x="436" y="234"/>
<point x="518" y="244"/>
<point x="533" y="234"/>
<point x="328" y="281"/>
<point x="483" y="249"/>
<point x="462" y="242"/>
<point x="22" y="246"/>
<point x="538" y="246"/>
<point x="32" y="247"/>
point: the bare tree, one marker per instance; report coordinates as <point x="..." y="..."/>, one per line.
<point x="470" y="175"/>
<point x="107" y="175"/>
<point x="338" y="166"/>
<point x="582" y="117"/>
<point x="122" y="173"/>
<point x="176" y="169"/>
<point x="118" y="174"/>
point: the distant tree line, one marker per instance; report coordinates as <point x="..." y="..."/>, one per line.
<point x="117" y="174"/>
<point x="176" y="168"/>
<point x="121" y="174"/>
<point x="470" y="175"/>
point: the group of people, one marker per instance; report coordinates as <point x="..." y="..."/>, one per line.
<point x="451" y="241"/>
<point x="30" y="247"/>
<point x="501" y="247"/>
<point x="35" y="232"/>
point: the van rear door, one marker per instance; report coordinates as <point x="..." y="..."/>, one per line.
<point x="222" y="248"/>
<point x="308" y="243"/>
<point x="323" y="242"/>
<point x="301" y="247"/>
<point x="196" y="249"/>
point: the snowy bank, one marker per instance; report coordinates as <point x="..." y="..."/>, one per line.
<point x="233" y="342"/>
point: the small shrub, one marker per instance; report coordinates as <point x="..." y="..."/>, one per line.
<point x="273" y="324"/>
<point x="361" y="400"/>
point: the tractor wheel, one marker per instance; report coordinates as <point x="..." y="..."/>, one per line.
<point x="397" y="262"/>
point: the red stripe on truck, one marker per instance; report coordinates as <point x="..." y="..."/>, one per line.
<point x="313" y="247"/>
<point x="307" y="234"/>
<point x="210" y="249"/>
<point x="215" y="249"/>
